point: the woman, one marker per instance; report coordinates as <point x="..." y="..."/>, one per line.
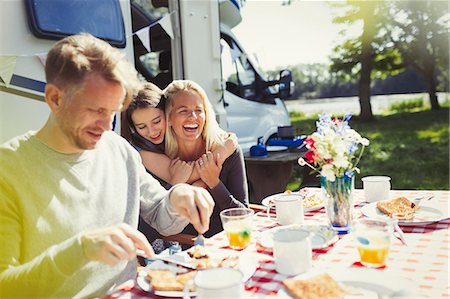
<point x="147" y="124"/>
<point x="191" y="133"/>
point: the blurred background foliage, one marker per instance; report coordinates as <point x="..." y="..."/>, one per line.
<point x="403" y="48"/>
<point x="408" y="142"/>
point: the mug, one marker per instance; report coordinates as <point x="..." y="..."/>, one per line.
<point x="292" y="251"/>
<point x="376" y="188"/>
<point x="216" y="283"/>
<point x="289" y="209"/>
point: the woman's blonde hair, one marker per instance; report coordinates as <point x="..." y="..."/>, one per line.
<point x="212" y="134"/>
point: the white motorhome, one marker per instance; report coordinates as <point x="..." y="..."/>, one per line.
<point x="166" y="39"/>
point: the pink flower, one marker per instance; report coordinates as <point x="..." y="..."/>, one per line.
<point x="310" y="156"/>
<point x="310" y="142"/>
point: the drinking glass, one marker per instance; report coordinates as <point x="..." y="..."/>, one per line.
<point x="373" y="239"/>
<point x="237" y="223"/>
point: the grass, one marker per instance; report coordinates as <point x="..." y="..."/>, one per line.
<point x="410" y="147"/>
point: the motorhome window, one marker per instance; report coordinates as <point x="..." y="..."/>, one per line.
<point x="51" y="19"/>
<point x="237" y="71"/>
<point x="155" y="66"/>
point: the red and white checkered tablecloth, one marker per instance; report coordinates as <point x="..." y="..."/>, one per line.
<point x="425" y="260"/>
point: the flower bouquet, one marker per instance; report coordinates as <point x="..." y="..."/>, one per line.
<point x="334" y="151"/>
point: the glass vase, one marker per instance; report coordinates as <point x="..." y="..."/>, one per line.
<point x="338" y="197"/>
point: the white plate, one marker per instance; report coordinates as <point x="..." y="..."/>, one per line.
<point x="322" y="235"/>
<point x="247" y="264"/>
<point x="425" y="215"/>
<point x="269" y="199"/>
<point x="370" y="283"/>
<point x="276" y="148"/>
<point x="145" y="285"/>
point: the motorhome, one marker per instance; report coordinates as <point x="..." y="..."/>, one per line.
<point x="166" y="40"/>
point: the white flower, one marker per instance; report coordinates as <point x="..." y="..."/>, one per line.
<point x="336" y="149"/>
<point x="328" y="172"/>
<point x="301" y="162"/>
<point x="340" y="161"/>
<point x="339" y="146"/>
<point x="322" y="151"/>
<point x="365" y="141"/>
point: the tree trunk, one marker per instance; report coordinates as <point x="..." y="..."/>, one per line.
<point x="431" y="88"/>
<point x="366" y="69"/>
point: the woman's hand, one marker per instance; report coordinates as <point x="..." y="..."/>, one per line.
<point x="208" y="169"/>
<point x="180" y="171"/>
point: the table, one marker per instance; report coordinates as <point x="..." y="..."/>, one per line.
<point x="425" y="260"/>
<point x="270" y="175"/>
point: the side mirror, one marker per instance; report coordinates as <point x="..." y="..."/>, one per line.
<point x="285" y="85"/>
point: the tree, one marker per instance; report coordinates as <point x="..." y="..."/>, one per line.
<point x="367" y="54"/>
<point x="420" y="31"/>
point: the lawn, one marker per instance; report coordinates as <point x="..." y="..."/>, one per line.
<point x="410" y="147"/>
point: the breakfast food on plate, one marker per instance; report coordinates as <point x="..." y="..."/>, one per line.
<point x="320" y="286"/>
<point x="312" y="200"/>
<point x="198" y="252"/>
<point x="400" y="208"/>
<point x="202" y="260"/>
<point x="165" y="280"/>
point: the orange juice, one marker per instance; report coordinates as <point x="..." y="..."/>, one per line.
<point x="373" y="249"/>
<point x="238" y="234"/>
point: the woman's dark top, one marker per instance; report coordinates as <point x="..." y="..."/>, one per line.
<point x="231" y="192"/>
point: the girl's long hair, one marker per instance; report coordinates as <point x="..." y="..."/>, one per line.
<point x="150" y="96"/>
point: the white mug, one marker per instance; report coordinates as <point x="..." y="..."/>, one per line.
<point x="376" y="187"/>
<point x="217" y="283"/>
<point x="289" y="209"/>
<point x="292" y="251"/>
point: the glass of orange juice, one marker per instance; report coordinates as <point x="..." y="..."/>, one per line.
<point x="373" y="238"/>
<point x="237" y="223"/>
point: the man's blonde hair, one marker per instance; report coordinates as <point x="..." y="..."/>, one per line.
<point x="212" y="134"/>
<point x="73" y="58"/>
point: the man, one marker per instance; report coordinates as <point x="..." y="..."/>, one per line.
<point x="71" y="193"/>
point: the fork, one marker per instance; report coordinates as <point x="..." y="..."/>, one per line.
<point x="419" y="200"/>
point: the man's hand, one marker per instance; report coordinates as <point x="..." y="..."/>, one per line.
<point x="194" y="203"/>
<point x="113" y="244"/>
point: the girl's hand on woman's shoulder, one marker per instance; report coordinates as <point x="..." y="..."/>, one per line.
<point x="180" y="171"/>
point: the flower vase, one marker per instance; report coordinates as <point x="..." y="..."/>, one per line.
<point x="338" y="195"/>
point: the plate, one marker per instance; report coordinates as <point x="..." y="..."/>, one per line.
<point x="368" y="283"/>
<point x="322" y="235"/>
<point x="276" y="148"/>
<point x="247" y="264"/>
<point x="425" y="215"/>
<point x="314" y="203"/>
<point x="145" y="285"/>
